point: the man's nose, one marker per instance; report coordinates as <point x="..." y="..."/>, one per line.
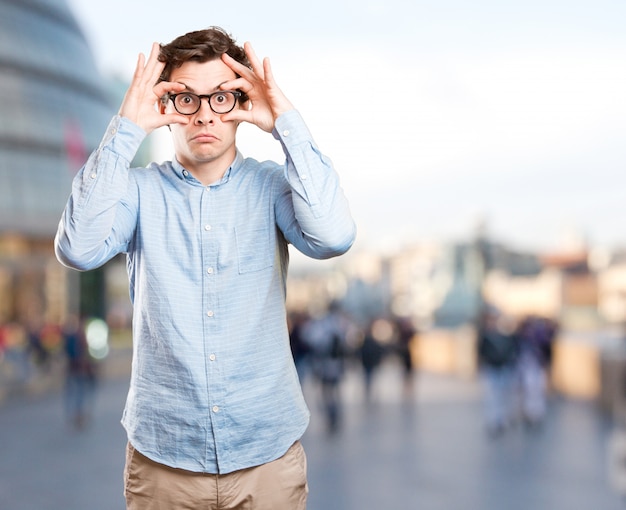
<point x="205" y="115"/>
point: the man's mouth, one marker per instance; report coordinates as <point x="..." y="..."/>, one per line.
<point x="204" y="138"/>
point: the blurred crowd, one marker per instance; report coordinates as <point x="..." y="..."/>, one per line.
<point x="26" y="348"/>
<point x="32" y="351"/>
<point x="514" y="358"/>
<point x="327" y="344"/>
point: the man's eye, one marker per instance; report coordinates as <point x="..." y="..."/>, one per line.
<point x="220" y="98"/>
<point x="186" y="99"/>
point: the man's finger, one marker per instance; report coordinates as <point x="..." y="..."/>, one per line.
<point x="173" y="118"/>
<point x="163" y="87"/>
<point x="254" y="60"/>
<point x="237" y="67"/>
<point x="153" y="66"/>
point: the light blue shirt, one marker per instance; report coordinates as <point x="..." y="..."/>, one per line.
<point x="213" y="386"/>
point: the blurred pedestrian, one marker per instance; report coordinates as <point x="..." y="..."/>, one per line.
<point x="498" y="353"/>
<point x="38" y="353"/>
<point x="371" y="355"/>
<point x="215" y="401"/>
<point x="80" y="373"/>
<point x="3" y="340"/>
<point x="327" y="338"/>
<point x="299" y="348"/>
<point x="406" y="334"/>
<point x="536" y="336"/>
<point x="16" y="352"/>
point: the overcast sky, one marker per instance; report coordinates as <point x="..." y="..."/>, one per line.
<point x="437" y="114"/>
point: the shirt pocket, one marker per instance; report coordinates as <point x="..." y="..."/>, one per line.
<point x="254" y="248"/>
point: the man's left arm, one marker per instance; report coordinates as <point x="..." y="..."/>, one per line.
<point x="312" y="210"/>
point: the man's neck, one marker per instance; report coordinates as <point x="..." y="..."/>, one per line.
<point x="210" y="172"/>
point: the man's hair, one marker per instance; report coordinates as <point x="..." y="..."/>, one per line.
<point x="201" y="46"/>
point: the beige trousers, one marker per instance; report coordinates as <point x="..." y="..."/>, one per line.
<point x="277" y="485"/>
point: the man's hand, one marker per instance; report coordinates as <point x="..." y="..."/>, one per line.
<point x="267" y="101"/>
<point x="140" y="101"/>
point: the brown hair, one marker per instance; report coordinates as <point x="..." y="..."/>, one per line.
<point x="201" y="46"/>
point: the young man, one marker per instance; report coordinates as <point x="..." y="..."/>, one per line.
<point x="215" y="412"/>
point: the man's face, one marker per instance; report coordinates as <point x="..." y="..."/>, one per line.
<point x="206" y="143"/>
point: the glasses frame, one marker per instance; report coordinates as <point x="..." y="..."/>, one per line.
<point x="200" y="97"/>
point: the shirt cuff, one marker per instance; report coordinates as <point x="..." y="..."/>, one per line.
<point x="291" y="129"/>
<point x="123" y="137"/>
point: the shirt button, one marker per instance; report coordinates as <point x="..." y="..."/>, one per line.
<point x="286" y="132"/>
<point x="212" y="357"/>
<point x="209" y="270"/>
<point x="185" y="173"/>
<point x="113" y="131"/>
<point x="93" y="175"/>
<point x="303" y="177"/>
<point x="209" y="313"/>
<point x="207" y="227"/>
<point x="216" y="409"/>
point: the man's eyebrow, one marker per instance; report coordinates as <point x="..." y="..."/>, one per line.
<point x="190" y="89"/>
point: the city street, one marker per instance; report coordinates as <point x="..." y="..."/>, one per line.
<point x="427" y="452"/>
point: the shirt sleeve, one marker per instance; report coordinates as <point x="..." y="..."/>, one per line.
<point x="100" y="216"/>
<point x="312" y="210"/>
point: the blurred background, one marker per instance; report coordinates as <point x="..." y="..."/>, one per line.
<point x="481" y="146"/>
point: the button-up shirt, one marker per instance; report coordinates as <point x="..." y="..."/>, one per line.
<point x="213" y="385"/>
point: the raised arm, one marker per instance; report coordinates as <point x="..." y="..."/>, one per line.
<point x="312" y="211"/>
<point x="100" y="216"/>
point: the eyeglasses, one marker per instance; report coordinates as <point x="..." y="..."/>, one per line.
<point x="187" y="103"/>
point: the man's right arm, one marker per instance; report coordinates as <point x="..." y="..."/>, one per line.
<point x="100" y="215"/>
<point x="98" y="223"/>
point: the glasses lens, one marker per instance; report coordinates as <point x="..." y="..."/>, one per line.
<point x="223" y="102"/>
<point x="187" y="104"/>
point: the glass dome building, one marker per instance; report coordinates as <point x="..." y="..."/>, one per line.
<point x="54" y="109"/>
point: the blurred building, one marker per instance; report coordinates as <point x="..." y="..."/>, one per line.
<point x="55" y="107"/>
